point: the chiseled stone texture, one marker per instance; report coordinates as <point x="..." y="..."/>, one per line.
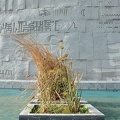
<point x="89" y="28"/>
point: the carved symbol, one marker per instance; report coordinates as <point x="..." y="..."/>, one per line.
<point x="72" y="26"/>
<point x="21" y="53"/>
<point x="83" y="12"/>
<point x="110" y="3"/>
<point x="44" y="12"/>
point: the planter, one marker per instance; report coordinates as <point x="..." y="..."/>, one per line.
<point x="93" y="115"/>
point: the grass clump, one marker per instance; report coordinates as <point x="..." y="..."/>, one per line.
<point x="55" y="81"/>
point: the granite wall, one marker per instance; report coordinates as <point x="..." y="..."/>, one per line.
<point x="90" y="30"/>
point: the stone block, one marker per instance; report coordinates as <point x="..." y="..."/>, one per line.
<point x="84" y="85"/>
<point x="110" y="12"/>
<point x="10" y="5"/>
<point x="113" y="38"/>
<point x="8" y="84"/>
<point x="27" y="16"/>
<point x="79" y="64"/>
<point x="93" y="76"/>
<point x="111" y="3"/>
<point x="100" y="45"/>
<point x="25" y="85"/>
<point x="110" y="50"/>
<point x="86" y="46"/>
<point x="110" y="86"/>
<point x="81" y="26"/>
<point x="32" y="72"/>
<point x="96" y="3"/>
<point x="78" y="13"/>
<point x="108" y="75"/>
<point x="94" y="66"/>
<point x="65" y="3"/>
<point x="3" y="5"/>
<point x="94" y="26"/>
<point x="92" y="85"/>
<point x="2" y="84"/>
<point x="4" y="57"/>
<point x="101" y="86"/>
<point x="21" y="4"/>
<point x="21" y="70"/>
<point x="45" y="3"/>
<point x="117" y="85"/>
<point x="16" y="85"/>
<point x="42" y="38"/>
<point x="54" y="50"/>
<point x="32" y="4"/>
<point x="70" y="26"/>
<point x="72" y="46"/>
<point x="85" y="2"/>
<point x="92" y="13"/>
<point x="108" y="64"/>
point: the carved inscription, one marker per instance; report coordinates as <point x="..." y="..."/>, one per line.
<point x="6" y="74"/>
<point x="36" y="26"/>
<point x="109" y="26"/>
<point x="29" y="26"/>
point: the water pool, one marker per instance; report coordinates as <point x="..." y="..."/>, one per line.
<point x="12" y="101"/>
<point x="108" y="102"/>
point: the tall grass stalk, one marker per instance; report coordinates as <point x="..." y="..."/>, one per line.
<point x="55" y="78"/>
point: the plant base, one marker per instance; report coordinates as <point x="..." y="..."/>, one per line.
<point x="93" y="115"/>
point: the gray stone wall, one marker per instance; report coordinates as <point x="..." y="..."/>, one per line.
<point x="90" y="30"/>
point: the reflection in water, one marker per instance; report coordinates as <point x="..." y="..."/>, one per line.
<point x="12" y="102"/>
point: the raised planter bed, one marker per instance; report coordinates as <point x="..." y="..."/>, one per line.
<point x="93" y="114"/>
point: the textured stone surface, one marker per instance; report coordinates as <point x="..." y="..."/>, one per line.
<point x="89" y="28"/>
